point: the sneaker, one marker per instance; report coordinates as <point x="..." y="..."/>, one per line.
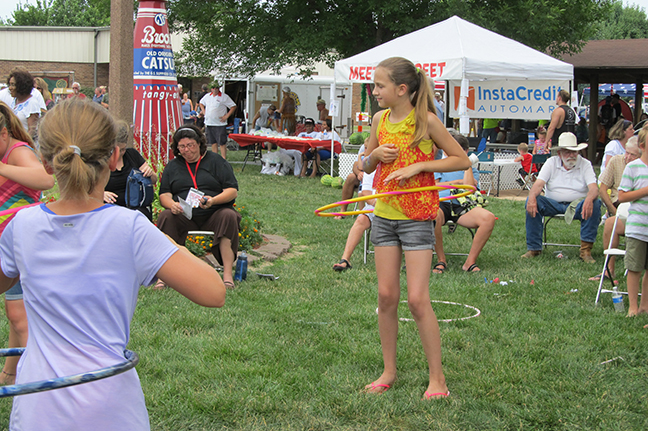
<point x="531" y="253"/>
<point x="520" y="182"/>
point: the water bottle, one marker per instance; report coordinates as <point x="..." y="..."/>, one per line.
<point x="617" y="300"/>
<point x="241" y="267"/>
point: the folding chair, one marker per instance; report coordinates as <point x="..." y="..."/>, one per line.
<point x="485" y="176"/>
<point x="622" y="213"/>
<point x="529" y="178"/>
<point x="325" y="166"/>
<point x="546" y="221"/>
<point x="253" y="152"/>
<point x="451" y="228"/>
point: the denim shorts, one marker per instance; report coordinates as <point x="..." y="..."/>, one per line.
<point x="15" y="293"/>
<point x="410" y="235"/>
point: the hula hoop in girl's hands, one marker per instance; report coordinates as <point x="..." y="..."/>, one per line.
<point x="319" y="212"/>
<point x="62" y="382"/>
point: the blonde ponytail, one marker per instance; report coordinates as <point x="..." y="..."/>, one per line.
<point x="423" y="103"/>
<point x="402" y="71"/>
<point x="77" y="138"/>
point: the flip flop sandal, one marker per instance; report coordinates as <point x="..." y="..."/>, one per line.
<point x="342" y="265"/>
<point x="441" y="267"/>
<point x="472" y="268"/>
<point x="374" y="386"/>
<point x="229" y="285"/>
<point x="441" y="395"/>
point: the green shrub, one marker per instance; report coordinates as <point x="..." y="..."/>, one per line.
<point x="250" y="232"/>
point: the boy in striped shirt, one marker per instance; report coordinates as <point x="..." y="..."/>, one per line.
<point x="634" y="188"/>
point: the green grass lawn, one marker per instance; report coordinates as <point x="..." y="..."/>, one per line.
<point x="294" y="354"/>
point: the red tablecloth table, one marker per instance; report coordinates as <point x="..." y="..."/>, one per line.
<point x="287" y="143"/>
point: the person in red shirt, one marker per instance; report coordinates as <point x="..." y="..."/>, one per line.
<point x="76" y="87"/>
<point x="525" y="158"/>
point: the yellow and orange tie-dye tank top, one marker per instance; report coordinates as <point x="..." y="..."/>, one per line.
<point x="414" y="206"/>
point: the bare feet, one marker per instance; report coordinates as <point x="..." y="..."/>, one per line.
<point x="638" y="311"/>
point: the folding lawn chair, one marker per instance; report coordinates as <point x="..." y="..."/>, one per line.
<point x="622" y="213"/>
<point x="526" y="181"/>
<point x="545" y="224"/>
<point x="485" y="176"/>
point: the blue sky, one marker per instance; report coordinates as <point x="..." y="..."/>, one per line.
<point x="8" y="6"/>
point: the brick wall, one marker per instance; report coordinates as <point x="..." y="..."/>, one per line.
<point x="83" y="72"/>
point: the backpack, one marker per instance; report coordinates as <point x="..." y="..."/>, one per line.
<point x="607" y="116"/>
<point x="139" y="190"/>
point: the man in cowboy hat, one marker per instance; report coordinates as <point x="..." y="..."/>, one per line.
<point x="570" y="183"/>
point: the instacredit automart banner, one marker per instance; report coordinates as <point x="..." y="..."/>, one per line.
<point x="156" y="103"/>
<point x="525" y="100"/>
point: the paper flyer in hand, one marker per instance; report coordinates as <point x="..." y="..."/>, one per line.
<point x="186" y="208"/>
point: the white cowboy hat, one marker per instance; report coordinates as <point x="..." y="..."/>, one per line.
<point x="569" y="142"/>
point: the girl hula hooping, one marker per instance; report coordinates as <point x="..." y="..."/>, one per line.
<point x="401" y="150"/>
<point x="22" y="177"/>
<point x="82" y="263"/>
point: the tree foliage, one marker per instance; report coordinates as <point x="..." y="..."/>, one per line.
<point x="247" y="36"/>
<point x="73" y="13"/>
<point x="623" y="22"/>
<point x="32" y="14"/>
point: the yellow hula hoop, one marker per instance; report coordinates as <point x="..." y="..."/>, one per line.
<point x="319" y="211"/>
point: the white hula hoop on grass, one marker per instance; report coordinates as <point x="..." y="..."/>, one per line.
<point x="477" y="312"/>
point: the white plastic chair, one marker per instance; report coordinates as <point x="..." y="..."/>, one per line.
<point x="622" y="213"/>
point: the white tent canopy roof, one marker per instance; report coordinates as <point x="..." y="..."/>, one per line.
<point x="458" y="49"/>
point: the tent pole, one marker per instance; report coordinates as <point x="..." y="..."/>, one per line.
<point x="593" y="116"/>
<point x="639" y="94"/>
<point x="464" y="120"/>
<point x="331" y="102"/>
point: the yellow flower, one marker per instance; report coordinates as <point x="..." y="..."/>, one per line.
<point x="239" y="233"/>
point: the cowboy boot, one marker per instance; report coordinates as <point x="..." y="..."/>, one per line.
<point x="586" y="252"/>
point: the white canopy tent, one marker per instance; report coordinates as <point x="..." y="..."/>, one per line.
<point x="490" y="75"/>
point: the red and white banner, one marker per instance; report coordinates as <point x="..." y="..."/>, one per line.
<point x="349" y="72"/>
<point x="156" y="103"/>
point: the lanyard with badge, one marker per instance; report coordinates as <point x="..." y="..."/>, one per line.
<point x="194" y="196"/>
